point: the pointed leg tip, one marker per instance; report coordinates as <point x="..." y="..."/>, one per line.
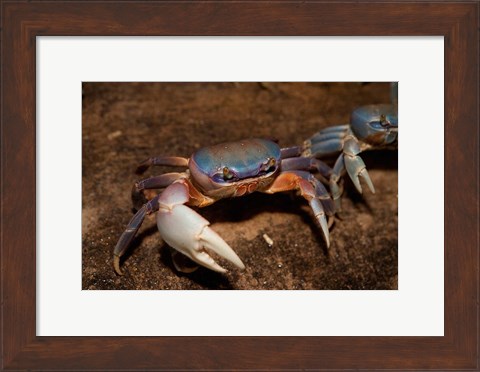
<point x="324" y="227"/>
<point x="326" y="235"/>
<point x="331" y="221"/>
<point x="116" y="265"/>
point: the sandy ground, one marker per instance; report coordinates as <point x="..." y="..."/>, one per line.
<point x="124" y="123"/>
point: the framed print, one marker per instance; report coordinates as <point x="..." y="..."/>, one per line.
<point x="31" y="31"/>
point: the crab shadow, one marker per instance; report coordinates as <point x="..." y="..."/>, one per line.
<point x="380" y="159"/>
<point x="204" y="277"/>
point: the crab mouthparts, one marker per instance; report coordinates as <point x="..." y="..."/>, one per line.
<point x="252" y="177"/>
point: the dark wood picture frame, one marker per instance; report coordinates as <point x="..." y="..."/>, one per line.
<point x="23" y="21"/>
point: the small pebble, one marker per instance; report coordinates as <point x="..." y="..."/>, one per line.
<point x="268" y="240"/>
<point x="114" y="135"/>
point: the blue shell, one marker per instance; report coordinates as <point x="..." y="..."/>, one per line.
<point x="366" y="121"/>
<point x="244" y="158"/>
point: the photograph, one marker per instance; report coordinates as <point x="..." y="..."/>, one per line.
<point x="240" y="185"/>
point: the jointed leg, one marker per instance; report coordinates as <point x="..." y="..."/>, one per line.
<point x="335" y="128"/>
<point x="326" y="142"/>
<point x="131" y="230"/>
<point x="320" y="191"/>
<point x="350" y="162"/>
<point x="323" y="148"/>
<point x="140" y="190"/>
<point x="300" y="180"/>
<point x="158" y="182"/>
<point x="291" y="152"/>
<point x="173" y="161"/>
<point x="307" y="163"/>
<point x="339" y="139"/>
<point x="326" y="133"/>
<point x="335" y="188"/>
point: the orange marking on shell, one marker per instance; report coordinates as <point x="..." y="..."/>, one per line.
<point x="241" y="190"/>
<point x="252" y="187"/>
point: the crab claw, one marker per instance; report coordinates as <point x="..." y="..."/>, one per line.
<point x="186" y="231"/>
<point x="356" y="168"/>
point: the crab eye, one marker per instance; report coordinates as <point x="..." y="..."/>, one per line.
<point x="224" y="175"/>
<point x="376" y="124"/>
<point x="270" y="165"/>
<point x="381" y="123"/>
<point x="227" y="174"/>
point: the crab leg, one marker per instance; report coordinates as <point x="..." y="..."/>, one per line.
<point x="291" y="152"/>
<point x="334" y="129"/>
<point x="173" y="161"/>
<point x="325" y="148"/>
<point x="188" y="232"/>
<point x="326" y="142"/>
<point x="335" y="189"/>
<point x="322" y="137"/>
<point x="307" y="163"/>
<point x="320" y="191"/>
<point x="300" y="180"/>
<point x="131" y="231"/>
<point x="158" y="182"/>
<point x="349" y="162"/>
<point x="340" y="139"/>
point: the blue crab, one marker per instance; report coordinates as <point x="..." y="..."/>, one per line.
<point x="221" y="171"/>
<point x="371" y="127"/>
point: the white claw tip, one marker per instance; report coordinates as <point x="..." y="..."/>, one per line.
<point x="212" y="241"/>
